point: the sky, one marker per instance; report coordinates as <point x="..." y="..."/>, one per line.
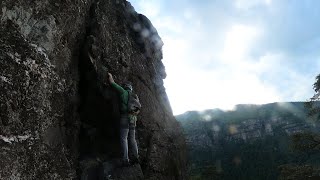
<point x="219" y="53"/>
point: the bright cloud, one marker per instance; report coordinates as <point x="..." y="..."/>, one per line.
<point x="245" y="4"/>
<point x="238" y="42"/>
<point x="151" y="8"/>
<point x="219" y="58"/>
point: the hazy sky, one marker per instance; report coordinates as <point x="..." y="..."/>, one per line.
<point x="219" y="53"/>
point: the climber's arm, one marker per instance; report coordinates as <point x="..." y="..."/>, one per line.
<point x="115" y="85"/>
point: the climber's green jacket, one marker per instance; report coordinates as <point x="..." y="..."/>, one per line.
<point x="124" y="95"/>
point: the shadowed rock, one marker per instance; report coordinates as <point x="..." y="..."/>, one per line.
<point x="55" y="109"/>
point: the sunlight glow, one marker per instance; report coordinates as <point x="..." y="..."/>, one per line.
<point x="207" y="117"/>
<point x="238" y="41"/>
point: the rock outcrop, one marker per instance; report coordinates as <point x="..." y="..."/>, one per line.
<point x="246" y="140"/>
<point x="58" y="120"/>
<point x="246" y="123"/>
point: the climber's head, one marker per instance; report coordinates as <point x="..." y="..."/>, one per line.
<point x="127" y="86"/>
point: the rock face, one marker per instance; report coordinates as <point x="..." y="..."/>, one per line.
<point x="246" y="123"/>
<point x="246" y="140"/>
<point x="57" y="117"/>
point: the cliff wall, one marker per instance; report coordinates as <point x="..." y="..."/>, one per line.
<point x="251" y="138"/>
<point x="58" y="119"/>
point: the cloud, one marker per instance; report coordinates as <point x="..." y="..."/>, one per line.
<point x="245" y="4"/>
<point x="238" y="42"/>
<point x="221" y="53"/>
<point x="151" y="8"/>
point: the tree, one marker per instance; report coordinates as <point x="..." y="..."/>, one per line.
<point x="313" y="104"/>
<point x="305" y="142"/>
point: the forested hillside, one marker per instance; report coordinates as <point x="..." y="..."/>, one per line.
<point x="251" y="142"/>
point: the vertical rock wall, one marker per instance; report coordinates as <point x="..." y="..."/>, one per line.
<point x="53" y="113"/>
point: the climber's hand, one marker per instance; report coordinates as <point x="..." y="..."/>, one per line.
<point x="110" y="78"/>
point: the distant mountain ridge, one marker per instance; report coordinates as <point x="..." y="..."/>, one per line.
<point x="248" y="121"/>
<point x="228" y="139"/>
